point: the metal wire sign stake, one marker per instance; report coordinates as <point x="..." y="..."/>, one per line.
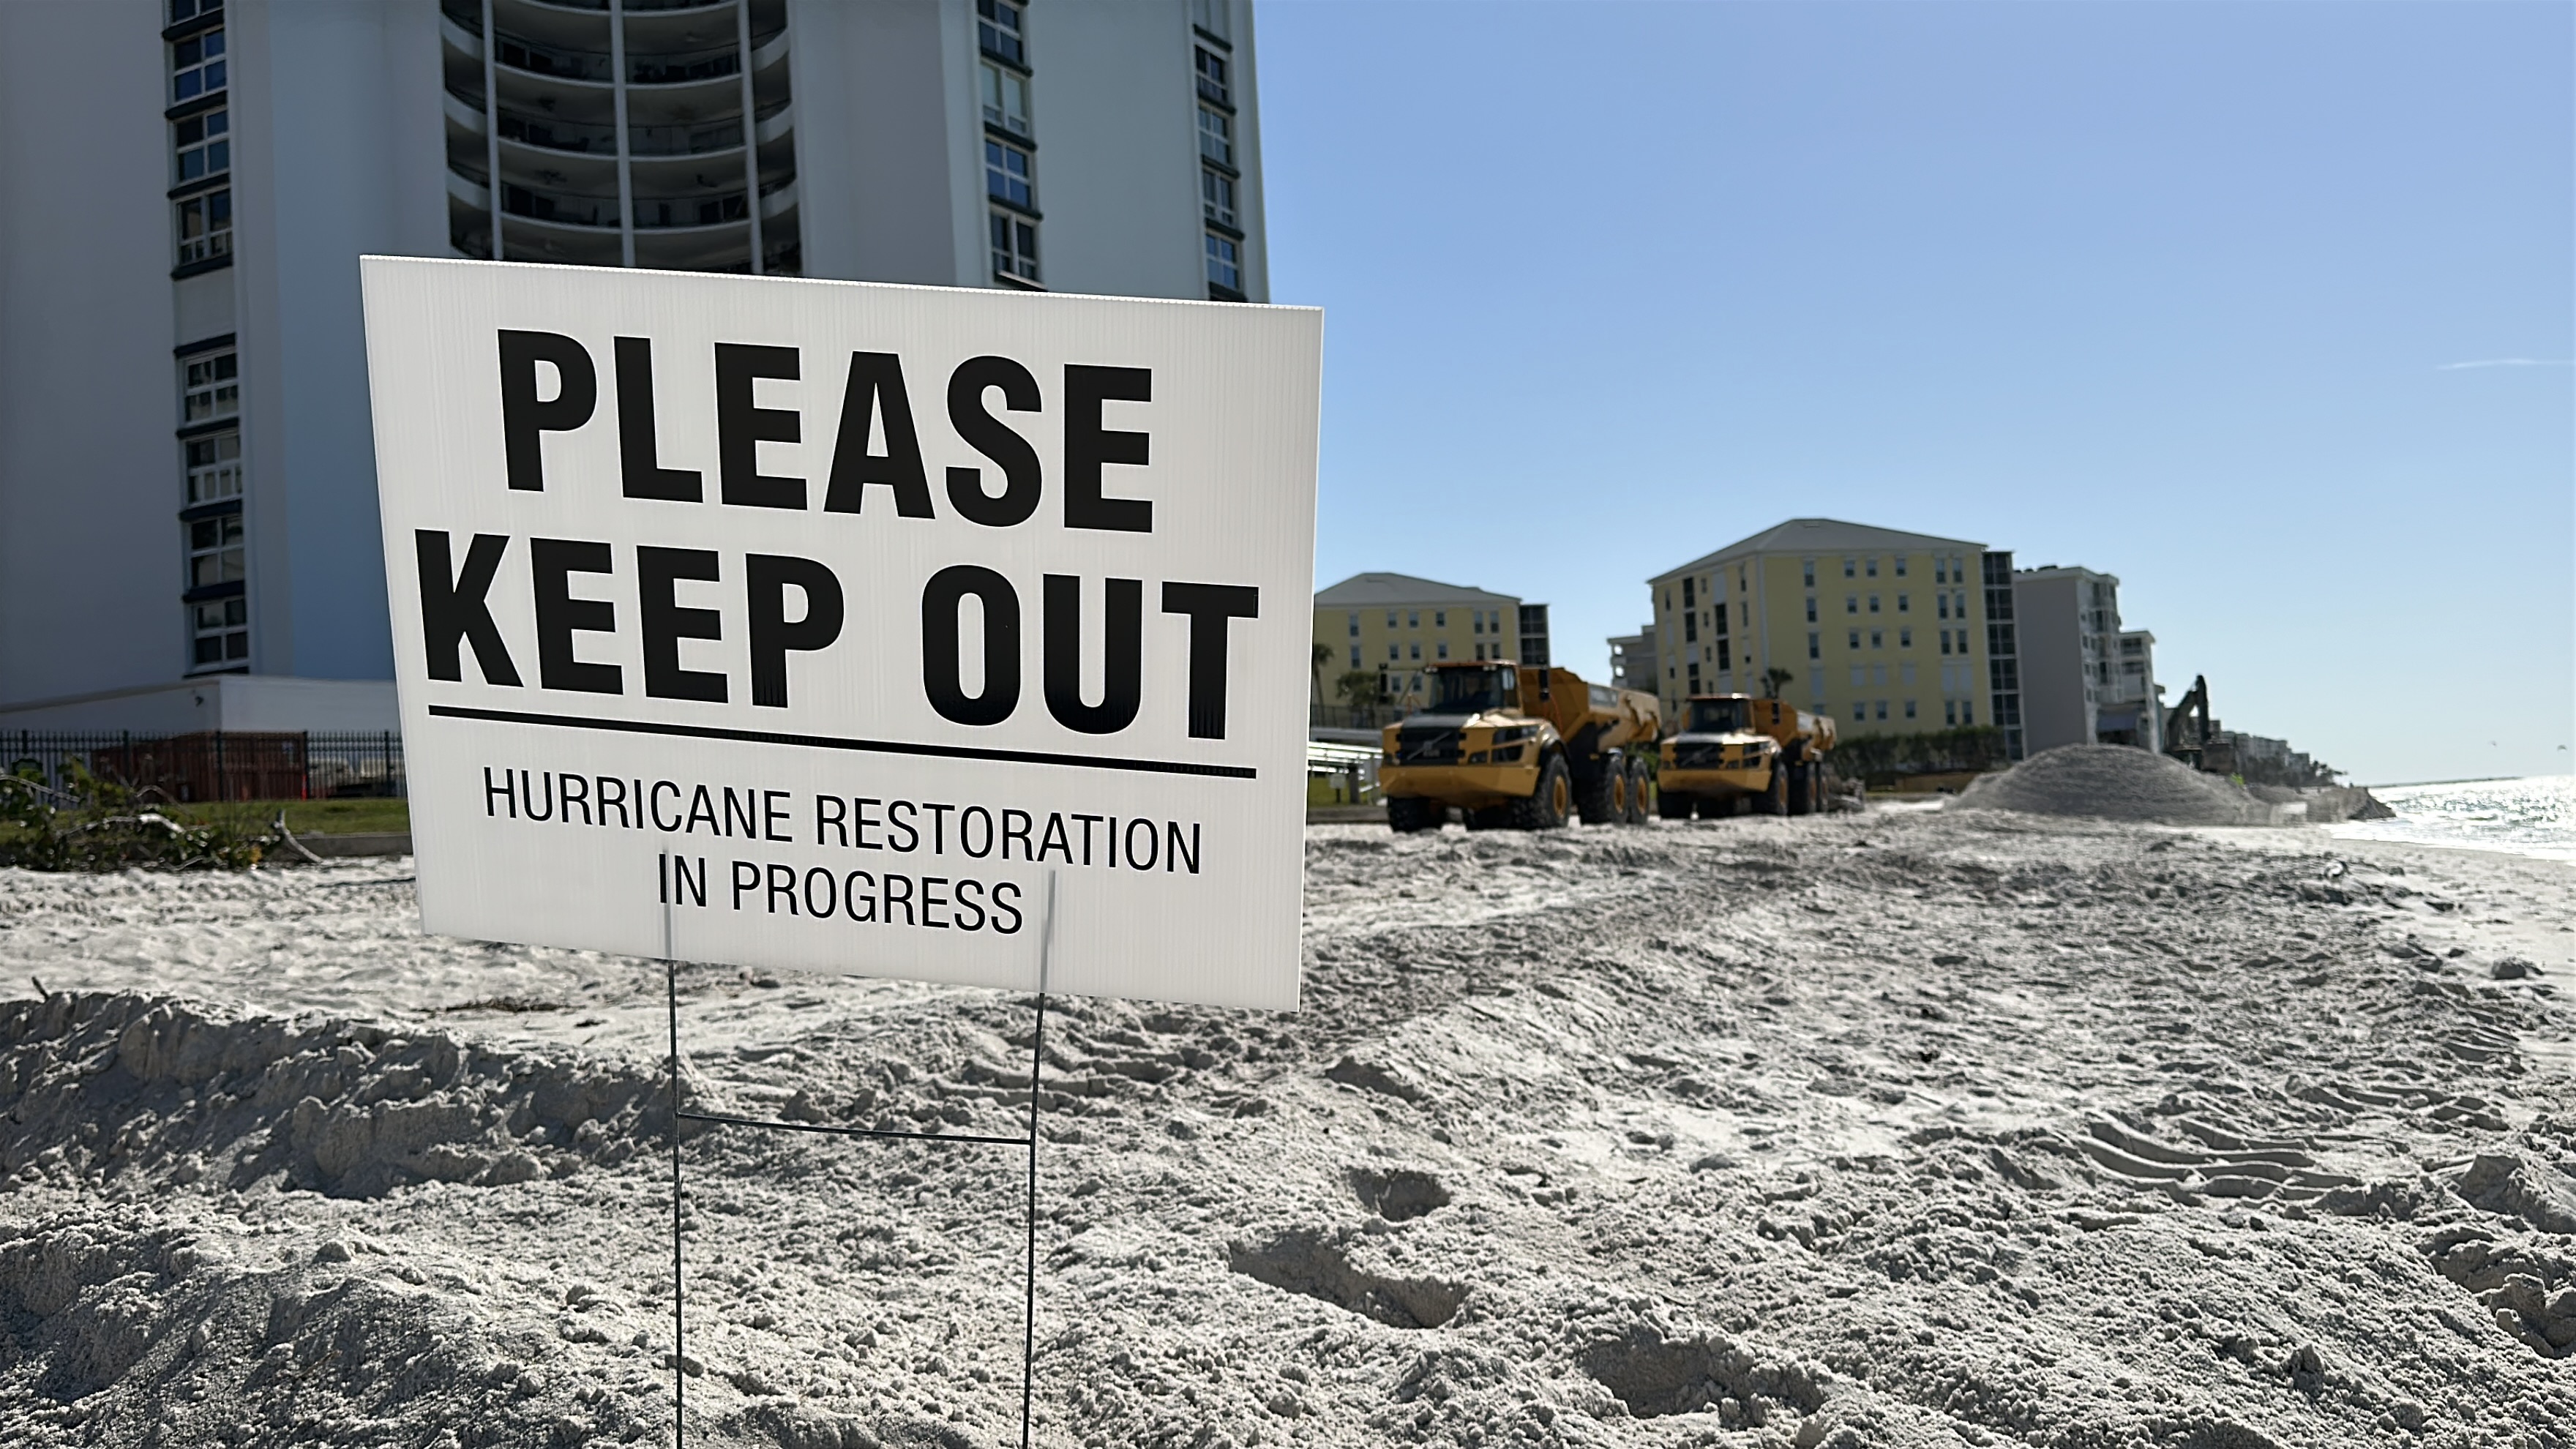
<point x="1037" y="1065"/>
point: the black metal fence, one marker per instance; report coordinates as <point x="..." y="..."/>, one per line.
<point x="227" y="765"/>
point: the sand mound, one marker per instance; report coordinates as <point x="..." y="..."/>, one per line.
<point x="2114" y="782"/>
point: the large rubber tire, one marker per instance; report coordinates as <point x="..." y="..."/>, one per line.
<point x="1603" y="796"/>
<point x="1547" y="806"/>
<point x="1802" y="789"/>
<point x="1408" y="814"/>
<point x="1640" y="789"/>
<point x="1673" y="806"/>
<point x="1775" y="800"/>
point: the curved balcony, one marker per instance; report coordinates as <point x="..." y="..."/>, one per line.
<point x="660" y="69"/>
<point x="633" y="7"/>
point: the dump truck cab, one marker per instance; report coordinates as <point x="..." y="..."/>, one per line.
<point x="1517" y="745"/>
<point x="1732" y="749"/>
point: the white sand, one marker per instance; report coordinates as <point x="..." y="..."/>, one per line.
<point x="2114" y="782"/>
<point x="1905" y="1129"/>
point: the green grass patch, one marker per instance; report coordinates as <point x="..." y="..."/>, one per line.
<point x="316" y="817"/>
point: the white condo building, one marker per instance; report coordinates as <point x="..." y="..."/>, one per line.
<point x="186" y="461"/>
<point x="2084" y="679"/>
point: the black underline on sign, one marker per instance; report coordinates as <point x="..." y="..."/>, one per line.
<point x="847" y="1131"/>
<point x="831" y="742"/>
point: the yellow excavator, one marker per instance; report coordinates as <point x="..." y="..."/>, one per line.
<point x="1519" y="747"/>
<point x="1732" y="749"/>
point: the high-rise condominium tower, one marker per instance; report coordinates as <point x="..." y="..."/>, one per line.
<point x="186" y="464"/>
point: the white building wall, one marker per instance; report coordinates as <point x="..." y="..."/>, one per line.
<point x="871" y="82"/>
<point x="89" y="476"/>
<point x="356" y="165"/>
<point x="1117" y="159"/>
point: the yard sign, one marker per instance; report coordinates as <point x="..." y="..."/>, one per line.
<point x="827" y="620"/>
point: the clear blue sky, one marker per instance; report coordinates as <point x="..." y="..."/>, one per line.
<point x="2176" y="291"/>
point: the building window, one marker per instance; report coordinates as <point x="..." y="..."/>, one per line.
<point x="1225" y="263"/>
<point x="1694" y="679"/>
<point x="1877" y="638"/>
<point x="1873" y="603"/>
<point x="1873" y="568"/>
<point x="1413" y="618"/>
<point x="1851" y="603"/>
<point x="1882" y="709"/>
<point x="1007" y="174"/>
<point x="1848" y="571"/>
<point x="221" y="629"/>
<point x="1855" y="638"/>
<point x="215" y="551"/>
<point x="1211" y="16"/>
<point x="214" y="468"/>
<point x="1216" y="136"/>
<point x="1967" y="711"/>
<point x="1441" y="650"/>
<point x="999" y="30"/>
<point x="1216" y="196"/>
<point x="1440" y="619"/>
<point x="1809" y="568"/>
<point x="197" y="66"/>
<point x="1900" y="573"/>
<point x="1394" y="652"/>
<point x="1909" y="709"/>
<point x="1355" y="656"/>
<point x="191" y="9"/>
<point x="1690" y="627"/>
<point x="210" y="388"/>
<point x="1355" y="626"/>
<point x="1417" y="649"/>
<point x="1949" y="711"/>
<point x="1390" y="618"/>
<point x="1904" y="638"/>
<point x="1811" y="608"/>
<point x="1006" y="100"/>
<point x="1015" y="247"/>
<point x="206" y="227"/>
<point x="1212" y="78"/>
<point x="1815" y="645"/>
<point x="203" y="145"/>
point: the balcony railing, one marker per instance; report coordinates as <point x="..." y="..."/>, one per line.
<point x="547" y="60"/>
<point x="660" y="214"/>
<point x="634" y="6"/>
<point x="590" y="139"/>
<point x="560" y="209"/>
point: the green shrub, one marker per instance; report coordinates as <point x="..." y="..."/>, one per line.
<point x="94" y="823"/>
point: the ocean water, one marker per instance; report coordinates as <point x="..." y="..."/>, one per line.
<point x="2535" y="817"/>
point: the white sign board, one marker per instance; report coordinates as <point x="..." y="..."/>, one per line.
<point x="837" y="617"/>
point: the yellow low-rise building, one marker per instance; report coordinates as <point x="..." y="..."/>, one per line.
<point x="1393" y="625"/>
<point x="1887" y="632"/>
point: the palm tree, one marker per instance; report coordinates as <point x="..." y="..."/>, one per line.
<point x="1323" y="655"/>
<point x="1772" y="680"/>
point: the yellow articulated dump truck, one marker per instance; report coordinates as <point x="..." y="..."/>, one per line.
<point x="1731" y="749"/>
<point x="1519" y="747"/>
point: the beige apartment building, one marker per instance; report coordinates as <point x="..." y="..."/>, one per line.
<point x="1396" y="624"/>
<point x="1886" y="631"/>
